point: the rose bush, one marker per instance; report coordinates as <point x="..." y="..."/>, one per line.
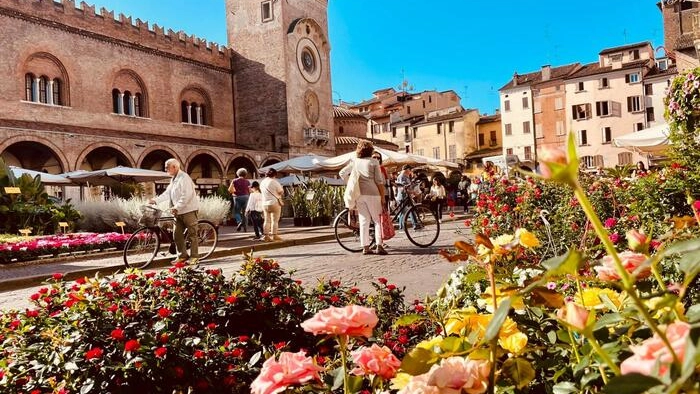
<point x="25" y="249"/>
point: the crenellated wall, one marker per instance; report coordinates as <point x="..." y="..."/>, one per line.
<point x="104" y="25"/>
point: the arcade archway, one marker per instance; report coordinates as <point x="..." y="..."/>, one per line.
<point x="206" y="173"/>
<point x="240" y="162"/>
<point x="104" y="157"/>
<point x="32" y="156"/>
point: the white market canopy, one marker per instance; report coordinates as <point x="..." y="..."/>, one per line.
<point x="304" y="163"/>
<point x="46" y="178"/>
<point x="116" y="175"/>
<point x="389" y="158"/>
<point x="651" y="140"/>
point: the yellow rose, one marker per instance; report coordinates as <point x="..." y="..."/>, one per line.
<point x="514" y="343"/>
<point x="508" y="328"/>
<point x="430" y="344"/>
<point x="590" y="298"/>
<point x="400" y="381"/>
<point x="526" y="238"/>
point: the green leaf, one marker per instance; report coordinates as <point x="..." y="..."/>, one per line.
<point x="566" y="264"/>
<point x="355" y="383"/>
<point x="418" y="361"/>
<point x="254" y="359"/>
<point x="631" y="383"/>
<point x="689" y="252"/>
<point x="87" y="387"/>
<point x="497" y="321"/>
<point x="451" y="344"/>
<point x="407" y="320"/>
<point x="564" y="388"/>
<point x="519" y="370"/>
<point x="608" y="319"/>
<point x="693" y="313"/>
<point x="337" y="378"/>
<point x="71" y="366"/>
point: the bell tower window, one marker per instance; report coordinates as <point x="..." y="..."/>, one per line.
<point x="266" y="11"/>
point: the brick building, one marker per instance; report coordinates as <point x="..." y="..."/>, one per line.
<point x="89" y="90"/>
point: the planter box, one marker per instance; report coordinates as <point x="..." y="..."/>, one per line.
<point x="302" y="222"/>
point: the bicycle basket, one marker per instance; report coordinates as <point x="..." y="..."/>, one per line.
<point x="149" y="216"/>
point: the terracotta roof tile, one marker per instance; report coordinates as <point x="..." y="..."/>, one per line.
<point x="595" y="68"/>
<point x="536" y="77"/>
<point x="624" y="47"/>
<point x="342" y="113"/>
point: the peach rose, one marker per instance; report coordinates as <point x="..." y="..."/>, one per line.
<point x="375" y="360"/>
<point x="634" y="264"/>
<point x="652" y="351"/>
<point x="419" y="385"/>
<point x="637" y="241"/>
<point x="548" y="155"/>
<point x="352" y="320"/>
<point x="457" y="375"/>
<point x="292" y="368"/>
<point x="574" y="315"/>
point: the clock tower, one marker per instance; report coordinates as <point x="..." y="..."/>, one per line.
<point x="281" y="72"/>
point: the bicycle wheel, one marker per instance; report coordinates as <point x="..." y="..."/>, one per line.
<point x="208" y="238"/>
<point x="347" y="230"/>
<point x="141" y="248"/>
<point x="426" y="228"/>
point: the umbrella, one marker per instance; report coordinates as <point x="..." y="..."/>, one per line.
<point x="116" y="175"/>
<point x="46" y="178"/>
<point x="389" y="159"/>
<point x="308" y="162"/>
<point x="651" y="140"/>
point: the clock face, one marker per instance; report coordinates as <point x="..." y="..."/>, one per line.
<point x="308" y="60"/>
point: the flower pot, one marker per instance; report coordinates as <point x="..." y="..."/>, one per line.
<point x="326" y="220"/>
<point x="317" y="221"/>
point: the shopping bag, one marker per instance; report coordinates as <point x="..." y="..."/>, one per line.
<point x="352" y="189"/>
<point x="388" y="230"/>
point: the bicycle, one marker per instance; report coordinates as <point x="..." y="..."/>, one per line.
<point x="418" y="221"/>
<point x="144" y="244"/>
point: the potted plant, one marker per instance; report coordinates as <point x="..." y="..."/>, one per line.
<point x="301" y="211"/>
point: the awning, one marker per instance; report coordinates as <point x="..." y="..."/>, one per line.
<point x="651" y="140"/>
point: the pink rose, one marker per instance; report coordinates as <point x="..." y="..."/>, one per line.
<point x="375" y="360"/>
<point x="637" y="241"/>
<point x="652" y="351"/>
<point x="352" y="320"/>
<point x="610" y="222"/>
<point x="550" y="155"/>
<point x="574" y="315"/>
<point x="634" y="264"/>
<point x="419" y="385"/>
<point x="458" y="375"/>
<point x="291" y="368"/>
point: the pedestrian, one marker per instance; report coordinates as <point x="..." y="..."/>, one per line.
<point x="640" y="171"/>
<point x="474" y="190"/>
<point x="254" y="210"/>
<point x="184" y="205"/>
<point x="451" y="198"/>
<point x="240" y="190"/>
<point x="272" y="193"/>
<point x="404" y="184"/>
<point x="387" y="187"/>
<point x="371" y="200"/>
<point x="437" y="197"/>
<point x="463" y="187"/>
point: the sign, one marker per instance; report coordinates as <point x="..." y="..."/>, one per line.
<point x="63" y="226"/>
<point x="120" y="225"/>
<point x="25" y="231"/>
<point x="310" y="195"/>
<point x="12" y="190"/>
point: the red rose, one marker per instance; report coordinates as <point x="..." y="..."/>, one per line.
<point x="132" y="345"/>
<point x="160" y="352"/>
<point x="198" y="354"/>
<point x="35" y="296"/>
<point x="179" y="372"/>
<point x="80" y="281"/>
<point x="164" y="312"/>
<point x="280" y="345"/>
<point x="231" y="299"/>
<point x="211" y="326"/>
<point x="243" y="338"/>
<point x="382" y="280"/>
<point x="276" y="301"/>
<point x="94" y="353"/>
<point x="117" y="334"/>
<point x="32" y="313"/>
<point x="57" y="276"/>
<point x="335" y="298"/>
<point x="391" y="287"/>
<point x="335" y="283"/>
<point x="164" y="338"/>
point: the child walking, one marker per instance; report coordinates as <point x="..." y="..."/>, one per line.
<point x="254" y="210"/>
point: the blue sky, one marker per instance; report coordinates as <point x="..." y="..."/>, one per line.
<point x="471" y="47"/>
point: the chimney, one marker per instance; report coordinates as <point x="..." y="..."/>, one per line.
<point x="546" y="72"/>
<point x="515" y="78"/>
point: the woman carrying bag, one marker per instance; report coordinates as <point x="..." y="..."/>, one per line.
<point x="370" y="201"/>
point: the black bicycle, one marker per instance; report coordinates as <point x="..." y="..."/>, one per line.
<point x="418" y="221"/>
<point x="144" y="245"/>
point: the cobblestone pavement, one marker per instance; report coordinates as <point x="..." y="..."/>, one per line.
<point x="420" y="270"/>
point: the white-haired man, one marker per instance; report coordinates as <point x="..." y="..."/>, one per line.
<point x="184" y="205"/>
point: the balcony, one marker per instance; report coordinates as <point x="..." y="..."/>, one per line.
<point x="315" y="136"/>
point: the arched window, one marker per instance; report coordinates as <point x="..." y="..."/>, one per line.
<point x="185" y="112"/>
<point x="128" y="110"/>
<point x="193" y="113"/>
<point x="29" y="87"/>
<point x="115" y="101"/>
<point x="43" y="86"/>
<point x="137" y="104"/>
<point x="203" y="114"/>
<point x="57" y="92"/>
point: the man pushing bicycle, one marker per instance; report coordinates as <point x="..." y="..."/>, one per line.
<point x="184" y="205"/>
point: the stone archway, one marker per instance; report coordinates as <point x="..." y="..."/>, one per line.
<point x="104" y="157"/>
<point x="206" y="173"/>
<point x="240" y="162"/>
<point x="269" y="162"/>
<point x="155" y="160"/>
<point x="33" y="156"/>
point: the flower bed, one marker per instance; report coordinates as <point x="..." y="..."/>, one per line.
<point x="23" y="249"/>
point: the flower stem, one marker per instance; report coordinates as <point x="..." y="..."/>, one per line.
<point x="604" y="355"/>
<point x="494" y="340"/>
<point x="342" y="342"/>
<point x="573" y="346"/>
<point x="627" y="282"/>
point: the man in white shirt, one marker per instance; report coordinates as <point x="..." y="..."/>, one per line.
<point x="184" y="205"/>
